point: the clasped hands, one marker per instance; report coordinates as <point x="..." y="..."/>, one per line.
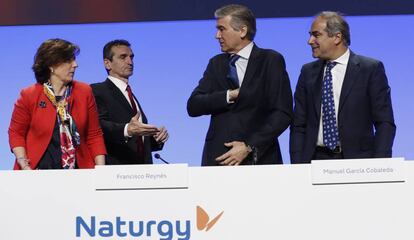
<point x="137" y="128"/>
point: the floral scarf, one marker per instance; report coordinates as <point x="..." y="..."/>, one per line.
<point x="69" y="136"/>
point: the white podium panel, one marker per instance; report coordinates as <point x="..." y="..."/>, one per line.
<point x="235" y="203"/>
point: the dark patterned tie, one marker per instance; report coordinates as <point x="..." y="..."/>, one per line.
<point x="140" y="143"/>
<point x="330" y="128"/>
<point x="233" y="70"/>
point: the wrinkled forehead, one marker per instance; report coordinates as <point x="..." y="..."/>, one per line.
<point x="318" y="26"/>
<point x="121" y="50"/>
<point x="223" y="21"/>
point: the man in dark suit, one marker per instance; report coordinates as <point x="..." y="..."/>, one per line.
<point x="246" y="90"/>
<point x="342" y="101"/>
<point x="128" y="137"/>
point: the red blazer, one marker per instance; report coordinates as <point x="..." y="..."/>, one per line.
<point x="34" y="117"/>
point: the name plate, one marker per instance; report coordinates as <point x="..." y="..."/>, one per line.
<point x="135" y="177"/>
<point x="378" y="170"/>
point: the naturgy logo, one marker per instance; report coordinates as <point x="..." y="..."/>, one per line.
<point x="163" y="229"/>
<point x="203" y="220"/>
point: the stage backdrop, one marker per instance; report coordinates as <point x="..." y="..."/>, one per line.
<point x="29" y="12"/>
<point x="171" y="57"/>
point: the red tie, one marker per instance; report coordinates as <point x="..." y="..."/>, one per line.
<point x="131" y="99"/>
<point x="140" y="143"/>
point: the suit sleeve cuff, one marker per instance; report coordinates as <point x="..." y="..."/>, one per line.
<point x="228" y="97"/>
<point x="126" y="131"/>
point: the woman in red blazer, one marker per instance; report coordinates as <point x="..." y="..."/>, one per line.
<point x="55" y="121"/>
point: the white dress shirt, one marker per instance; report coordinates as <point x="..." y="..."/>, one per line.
<point x="338" y="75"/>
<point x="241" y="65"/>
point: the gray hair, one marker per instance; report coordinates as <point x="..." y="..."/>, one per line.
<point x="240" y="16"/>
<point x="335" y="23"/>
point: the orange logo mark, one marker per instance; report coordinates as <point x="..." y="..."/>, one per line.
<point x="203" y="219"/>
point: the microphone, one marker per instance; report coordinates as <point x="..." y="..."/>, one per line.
<point x="158" y="156"/>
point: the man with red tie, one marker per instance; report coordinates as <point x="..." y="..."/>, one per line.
<point x="128" y="136"/>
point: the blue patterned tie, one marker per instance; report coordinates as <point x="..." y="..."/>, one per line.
<point x="233" y="70"/>
<point x="330" y="129"/>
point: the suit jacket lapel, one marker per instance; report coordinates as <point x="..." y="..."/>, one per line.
<point x="350" y="77"/>
<point x="144" y="118"/>
<point x="49" y="112"/>
<point x="254" y="62"/>
<point x="118" y="96"/>
<point x="71" y="98"/>
<point x="317" y="76"/>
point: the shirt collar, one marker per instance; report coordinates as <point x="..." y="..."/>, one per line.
<point x="118" y="83"/>
<point x="246" y="51"/>
<point x="343" y="60"/>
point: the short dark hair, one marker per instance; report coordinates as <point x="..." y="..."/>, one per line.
<point x="335" y="22"/>
<point x="240" y="16"/>
<point x="107" y="50"/>
<point x="52" y="52"/>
